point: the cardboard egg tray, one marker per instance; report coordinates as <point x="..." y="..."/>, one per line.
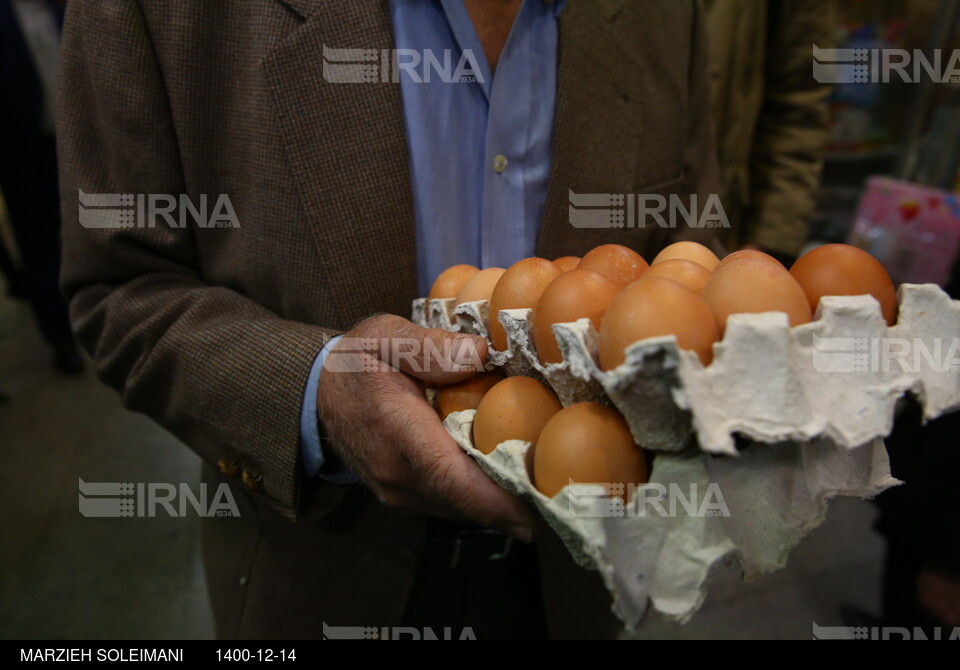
<point x="782" y="420"/>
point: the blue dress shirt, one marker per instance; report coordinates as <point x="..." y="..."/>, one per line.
<point x="479" y="149"/>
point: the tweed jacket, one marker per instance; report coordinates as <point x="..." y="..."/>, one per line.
<point x="212" y="331"/>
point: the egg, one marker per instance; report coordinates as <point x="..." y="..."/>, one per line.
<point x="692" y="275"/>
<point x="567" y="263"/>
<point x="750" y="253"/>
<point x="449" y="283"/>
<point x="516" y="408"/>
<point x="840" y="269"/>
<point x="480" y="286"/>
<point x="616" y="262"/>
<point x="690" y="251"/>
<point x="519" y="287"/>
<point x="587" y="443"/>
<point x="656" y="306"/>
<point x="751" y="285"/>
<point x="466" y="394"/>
<point x="573" y="295"/>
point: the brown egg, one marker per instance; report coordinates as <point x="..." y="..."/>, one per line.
<point x="466" y="394"/>
<point x="751" y="285"/>
<point x="617" y="263"/>
<point x="520" y="287"/>
<point x="480" y="286"/>
<point x="691" y="251"/>
<point x="692" y="275"/>
<point x="750" y="253"/>
<point x="588" y="443"/>
<point x="576" y="294"/>
<point x="840" y="269"/>
<point x="516" y="408"/>
<point x="653" y="307"/>
<point x="567" y="263"/>
<point x="449" y="283"/>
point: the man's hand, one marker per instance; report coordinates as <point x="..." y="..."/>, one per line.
<point x="372" y="405"/>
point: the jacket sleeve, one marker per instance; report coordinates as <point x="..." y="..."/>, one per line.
<point x="791" y="132"/>
<point x="218" y="370"/>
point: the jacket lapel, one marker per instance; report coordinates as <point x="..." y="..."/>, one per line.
<point x="303" y="8"/>
<point x="598" y="120"/>
<point x="362" y="209"/>
<point x="348" y="152"/>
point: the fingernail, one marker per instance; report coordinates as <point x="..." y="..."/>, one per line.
<point x="521" y="532"/>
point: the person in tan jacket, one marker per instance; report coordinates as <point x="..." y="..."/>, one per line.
<point x="770" y="116"/>
<point x="214" y="332"/>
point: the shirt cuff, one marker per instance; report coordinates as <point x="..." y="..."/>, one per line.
<point x="311" y="442"/>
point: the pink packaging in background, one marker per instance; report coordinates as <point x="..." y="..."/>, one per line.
<point x="913" y="230"/>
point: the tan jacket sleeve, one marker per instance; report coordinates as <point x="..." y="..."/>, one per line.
<point x="219" y="371"/>
<point x="792" y="130"/>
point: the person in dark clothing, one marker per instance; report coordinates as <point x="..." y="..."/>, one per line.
<point x="921" y="581"/>
<point x="28" y="164"/>
<point x="11" y="274"/>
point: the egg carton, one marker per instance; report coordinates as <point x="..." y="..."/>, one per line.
<point x="782" y="420"/>
<point x="836" y="378"/>
<point x="696" y="511"/>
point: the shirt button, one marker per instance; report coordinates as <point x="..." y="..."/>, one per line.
<point x="499" y="163"/>
<point x="251" y="479"/>
<point x="228" y="466"/>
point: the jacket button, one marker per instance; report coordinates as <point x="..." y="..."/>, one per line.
<point x="228" y="466"/>
<point x="251" y="479"/>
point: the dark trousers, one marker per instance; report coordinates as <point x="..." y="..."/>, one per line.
<point x="10" y="272"/>
<point x="471" y="578"/>
<point x="28" y="180"/>
<point x="919" y="519"/>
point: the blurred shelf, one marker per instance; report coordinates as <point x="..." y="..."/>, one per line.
<point x="888" y="153"/>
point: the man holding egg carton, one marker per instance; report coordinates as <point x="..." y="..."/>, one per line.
<point x="257" y="345"/>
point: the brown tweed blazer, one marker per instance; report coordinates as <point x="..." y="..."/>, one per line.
<point x="212" y="332"/>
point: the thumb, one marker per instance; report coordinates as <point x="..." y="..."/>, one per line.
<point x="429" y="354"/>
<point x="456" y="481"/>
